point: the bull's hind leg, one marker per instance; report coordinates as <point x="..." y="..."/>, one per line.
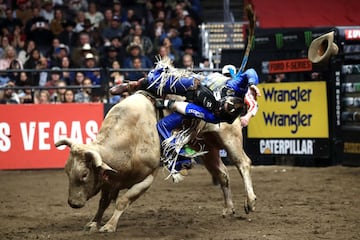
<point x="124" y="201"/>
<point x="218" y="170"/>
<point x="243" y="164"/>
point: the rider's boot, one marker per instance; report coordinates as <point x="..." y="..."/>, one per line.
<point x="182" y="166"/>
<point x="130" y="86"/>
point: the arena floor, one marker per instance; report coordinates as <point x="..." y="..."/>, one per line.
<point x="293" y="203"/>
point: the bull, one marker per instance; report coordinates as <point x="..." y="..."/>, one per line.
<point x="126" y="155"/>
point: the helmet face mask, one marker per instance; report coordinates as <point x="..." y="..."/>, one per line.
<point x="228" y="70"/>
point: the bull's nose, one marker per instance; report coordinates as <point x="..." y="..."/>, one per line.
<point x="74" y="205"/>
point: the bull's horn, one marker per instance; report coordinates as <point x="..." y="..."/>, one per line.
<point x="322" y="48"/>
<point x="95" y="156"/>
<point x="65" y="141"/>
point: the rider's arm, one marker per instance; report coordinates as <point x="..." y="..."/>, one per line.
<point x="251" y="76"/>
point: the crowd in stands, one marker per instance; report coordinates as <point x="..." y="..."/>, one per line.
<point x="60" y="35"/>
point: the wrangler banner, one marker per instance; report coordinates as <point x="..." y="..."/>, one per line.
<point x="28" y="132"/>
<point x="291" y="110"/>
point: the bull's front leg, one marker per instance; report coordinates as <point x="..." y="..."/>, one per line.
<point x="124" y="201"/>
<point x="218" y="170"/>
<point x="243" y="164"/>
<point x="104" y="203"/>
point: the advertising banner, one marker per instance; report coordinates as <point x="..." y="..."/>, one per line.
<point x="28" y="132"/>
<point x="290" y="117"/>
<point x="284" y="66"/>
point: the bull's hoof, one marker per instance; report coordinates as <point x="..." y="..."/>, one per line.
<point x="107" y="228"/>
<point x="249" y="206"/>
<point x="228" y="212"/>
<point x="91" y="227"/>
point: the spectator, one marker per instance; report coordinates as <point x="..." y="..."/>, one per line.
<point x="43" y="75"/>
<point x="94" y="15"/>
<point x="153" y="9"/>
<point x="26" y="96"/>
<point x="192" y="8"/>
<point x="281" y="77"/>
<point x="191" y="50"/>
<point x="58" y="96"/>
<point x="110" y="56"/>
<point x="9" y="95"/>
<point x="114" y="30"/>
<point x="34" y="62"/>
<point x="56" y="26"/>
<point x="134" y="50"/>
<point x="61" y="52"/>
<point x="206" y="64"/>
<point x="9" y="56"/>
<point x="3" y="6"/>
<point x="51" y="54"/>
<point x="36" y="17"/>
<point x="14" y="76"/>
<point x="17" y="38"/>
<point x="24" y="53"/>
<point x="69" y="96"/>
<point x="68" y="36"/>
<point x="177" y="21"/>
<point x="163" y="53"/>
<point x="187" y="62"/>
<point x="173" y="35"/>
<point x="97" y="96"/>
<point x="84" y="95"/>
<point x="66" y="75"/>
<point x="116" y="42"/>
<point x="145" y="41"/>
<point x="189" y="33"/>
<point x="79" y="21"/>
<point x="90" y="62"/>
<point x="94" y="34"/>
<point x="47" y="10"/>
<point x="136" y="75"/>
<point x="172" y="53"/>
<point x="76" y="6"/>
<point x="77" y="54"/>
<point x="129" y="21"/>
<point x="4" y="79"/>
<point x="157" y="30"/>
<point x="55" y="76"/>
<point x="78" y="79"/>
<point x="118" y="10"/>
<point x="41" y="35"/>
<point x="116" y="77"/>
<point x="106" y="22"/>
<point x="42" y="97"/>
<point x="10" y="21"/>
<point x="4" y="44"/>
<point x="22" y="80"/>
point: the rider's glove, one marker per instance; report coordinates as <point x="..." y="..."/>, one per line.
<point x="251" y="103"/>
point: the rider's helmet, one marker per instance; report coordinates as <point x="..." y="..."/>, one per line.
<point x="228" y="70"/>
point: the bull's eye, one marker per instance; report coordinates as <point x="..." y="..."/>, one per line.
<point x="84" y="176"/>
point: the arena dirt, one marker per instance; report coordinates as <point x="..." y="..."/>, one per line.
<point x="293" y="203"/>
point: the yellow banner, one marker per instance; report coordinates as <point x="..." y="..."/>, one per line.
<point x="291" y="110"/>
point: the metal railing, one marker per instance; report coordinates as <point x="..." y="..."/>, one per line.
<point x="104" y="78"/>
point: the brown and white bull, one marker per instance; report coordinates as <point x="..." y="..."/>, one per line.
<point x="126" y="155"/>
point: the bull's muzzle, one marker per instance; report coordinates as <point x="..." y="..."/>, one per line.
<point x="75" y="204"/>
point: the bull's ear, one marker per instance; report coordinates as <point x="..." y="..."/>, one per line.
<point x="97" y="160"/>
<point x="66" y="141"/>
